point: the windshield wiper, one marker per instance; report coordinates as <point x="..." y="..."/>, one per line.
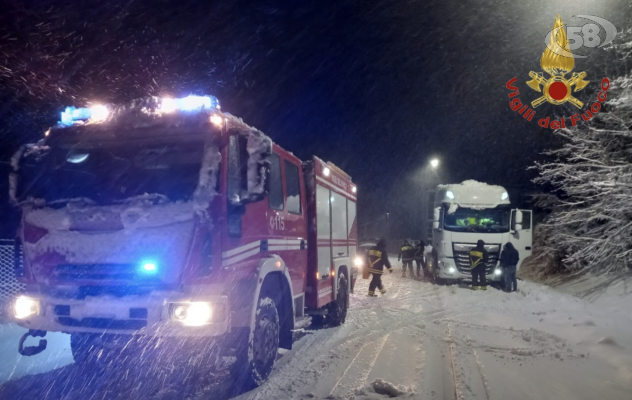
<point x="155" y="198"/>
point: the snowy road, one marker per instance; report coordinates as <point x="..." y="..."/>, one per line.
<point x="430" y="342"/>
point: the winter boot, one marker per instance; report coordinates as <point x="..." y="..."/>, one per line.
<point x="382" y="291"/>
<point x="474" y="287"/>
<point x="372" y="294"/>
<point x="483" y="287"/>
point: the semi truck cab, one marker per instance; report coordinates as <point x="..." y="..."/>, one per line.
<point x="470" y="211"/>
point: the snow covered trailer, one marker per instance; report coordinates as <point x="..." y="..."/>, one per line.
<point x="169" y="218"/>
<point x="470" y="211"/>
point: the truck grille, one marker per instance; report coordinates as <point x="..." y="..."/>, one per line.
<point x="461" y="253"/>
<point x="98" y="272"/>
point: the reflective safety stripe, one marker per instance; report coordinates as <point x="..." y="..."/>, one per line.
<point x="376" y="271"/>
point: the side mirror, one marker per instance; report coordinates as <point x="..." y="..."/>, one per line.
<point x="518" y="217"/>
<point x="435" y="225"/>
<point x="436" y="215"/>
<point x="518" y="227"/>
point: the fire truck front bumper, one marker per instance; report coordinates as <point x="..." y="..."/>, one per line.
<point x="156" y="314"/>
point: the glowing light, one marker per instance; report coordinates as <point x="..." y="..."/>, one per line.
<point x="25" y="307"/>
<point x="326" y="171"/>
<point x="358" y="262"/>
<point x="451" y="270"/>
<point x="193" y="314"/>
<point x="317" y="275"/>
<point x="217" y="120"/>
<point x="434" y="163"/>
<point x="504" y="196"/>
<point x="168" y="105"/>
<point x="149" y="267"/>
<point x="354" y="189"/>
<point x="333" y="272"/>
<point x="497" y="272"/>
<point x="449" y="194"/>
<point x="99" y="113"/>
<point x="47" y="132"/>
<point x="278" y="264"/>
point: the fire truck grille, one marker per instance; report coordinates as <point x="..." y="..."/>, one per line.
<point x="104" y="323"/>
<point x="97" y="272"/>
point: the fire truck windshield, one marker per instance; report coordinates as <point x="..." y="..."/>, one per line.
<point x="106" y="174"/>
<point x="471" y="220"/>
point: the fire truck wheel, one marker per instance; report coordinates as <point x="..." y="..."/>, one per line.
<point x="254" y="363"/>
<point x="338" y="309"/>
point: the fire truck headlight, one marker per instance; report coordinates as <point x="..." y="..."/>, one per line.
<point x="498" y="271"/>
<point x="193" y="314"/>
<point x="358" y="262"/>
<point x="451" y="270"/>
<point x="25" y="307"/>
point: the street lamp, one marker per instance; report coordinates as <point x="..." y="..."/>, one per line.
<point x="434" y="163"/>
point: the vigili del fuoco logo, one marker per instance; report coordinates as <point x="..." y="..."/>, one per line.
<point x="558" y="62"/>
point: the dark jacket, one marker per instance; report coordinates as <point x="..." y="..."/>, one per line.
<point x="406" y="253"/>
<point x="419" y="251"/>
<point x="509" y="257"/>
<point x="377" y="258"/>
<point x="478" y="255"/>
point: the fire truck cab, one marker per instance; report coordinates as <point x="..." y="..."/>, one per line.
<point x="169" y="218"/>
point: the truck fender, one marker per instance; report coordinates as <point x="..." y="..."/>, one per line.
<point x="340" y="262"/>
<point x="267" y="267"/>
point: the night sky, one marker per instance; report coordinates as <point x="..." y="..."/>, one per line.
<point x="378" y="87"/>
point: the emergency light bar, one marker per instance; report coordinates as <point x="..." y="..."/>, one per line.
<point x="99" y="113"/>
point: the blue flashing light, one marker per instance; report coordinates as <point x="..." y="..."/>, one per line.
<point x="189" y="103"/>
<point x="72" y="114"/>
<point x="149" y="266"/>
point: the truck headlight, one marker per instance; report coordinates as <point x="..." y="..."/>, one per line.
<point x="498" y="271"/>
<point x="25" y="307"/>
<point x="451" y="270"/>
<point x="192" y="314"/>
<point x="358" y="262"/>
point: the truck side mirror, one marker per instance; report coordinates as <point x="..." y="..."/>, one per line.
<point x="518" y="227"/>
<point x="518" y="218"/>
<point x="436" y="218"/>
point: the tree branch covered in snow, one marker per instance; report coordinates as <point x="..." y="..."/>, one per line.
<point x="591" y="222"/>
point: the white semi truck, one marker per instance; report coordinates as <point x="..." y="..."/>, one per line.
<point x="470" y="211"/>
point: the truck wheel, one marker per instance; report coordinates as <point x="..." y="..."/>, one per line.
<point x="255" y="361"/>
<point x="338" y="309"/>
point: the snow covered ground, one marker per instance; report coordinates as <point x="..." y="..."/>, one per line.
<point x="418" y="341"/>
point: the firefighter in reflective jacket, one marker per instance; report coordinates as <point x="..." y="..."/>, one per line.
<point x="406" y="254"/>
<point x="377" y="259"/>
<point x="478" y="259"/>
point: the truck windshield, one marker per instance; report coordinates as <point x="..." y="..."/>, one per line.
<point x="108" y="175"/>
<point x="471" y="220"/>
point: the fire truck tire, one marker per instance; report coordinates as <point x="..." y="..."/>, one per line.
<point x="338" y="309"/>
<point x="255" y="361"/>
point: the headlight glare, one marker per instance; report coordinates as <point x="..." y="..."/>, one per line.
<point x="358" y="262"/>
<point x="25" y="307"/>
<point x="193" y="314"/>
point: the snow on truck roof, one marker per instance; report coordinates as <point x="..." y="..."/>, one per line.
<point x="179" y="116"/>
<point x="473" y="194"/>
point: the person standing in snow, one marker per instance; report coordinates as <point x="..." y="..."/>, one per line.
<point x="406" y="254"/>
<point x="376" y="260"/>
<point x="478" y="259"/>
<point x="508" y="263"/>
<point x="419" y="259"/>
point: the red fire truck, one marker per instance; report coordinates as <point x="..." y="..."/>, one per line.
<point x="169" y="218"/>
